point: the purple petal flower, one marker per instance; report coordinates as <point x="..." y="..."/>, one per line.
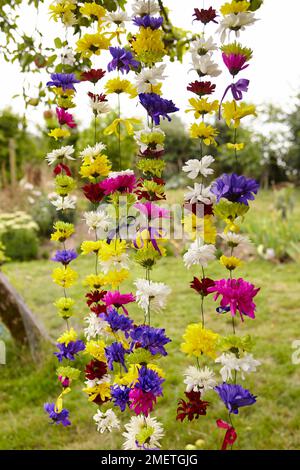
<point x="157" y="106"/>
<point x="117" y="321"/>
<point x="235" y="188"/>
<point x="122" y="60"/>
<point x="234" y="396"/>
<point x="115" y="353"/>
<point x="148" y="21"/>
<point x="64" y="256"/>
<point x="149" y="381"/>
<point x="63" y="80"/>
<point x="235" y="62"/>
<point x="120" y="396"/>
<point x="58" y="418"/>
<point x="151" y="339"/>
<point x="68" y="351"/>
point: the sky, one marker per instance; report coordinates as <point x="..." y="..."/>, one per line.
<point x="274" y="72"/>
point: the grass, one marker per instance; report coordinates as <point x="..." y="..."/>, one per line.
<point x="273" y="423"/>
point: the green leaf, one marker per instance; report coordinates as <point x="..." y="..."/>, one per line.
<point x="58" y="43"/>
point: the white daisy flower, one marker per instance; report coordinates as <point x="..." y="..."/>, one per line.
<point x="234" y="239"/>
<point x="153" y="293"/>
<point x="204" y="65"/>
<point x="116" y="263"/>
<point x="99" y="107"/>
<point x="145" y="7"/>
<point x="199" y="193"/>
<point x="199" y="380"/>
<point x="138" y="136"/>
<point x="67" y="56"/>
<point x="106" y="421"/>
<point x="248" y="364"/>
<point x="118" y="17"/>
<point x="63" y="203"/>
<point x="202" y="46"/>
<point x="60" y="154"/>
<point x="150" y="77"/>
<point x="199" y="254"/>
<point x="95" y="326"/>
<point x="115" y="174"/>
<point x="235" y="22"/>
<point x="92" y="152"/>
<point x="96" y="220"/>
<point x="134" y="433"/>
<point x="232" y="363"/>
<point x="195" y="166"/>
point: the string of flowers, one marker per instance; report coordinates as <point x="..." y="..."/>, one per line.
<point x="237" y="294"/>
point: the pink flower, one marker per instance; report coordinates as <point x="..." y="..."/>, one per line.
<point x="152" y="211"/>
<point x="118" y="300"/>
<point x="141" y="402"/>
<point x="235" y="62"/>
<point x="236" y="294"/>
<point x="65" y="118"/>
<point x="122" y="183"/>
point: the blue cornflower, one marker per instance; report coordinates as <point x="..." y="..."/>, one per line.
<point x="115" y="353"/>
<point x="148" y="21"/>
<point x="118" y="322"/>
<point x="235" y="188"/>
<point x="149" y="381"/>
<point x="58" y="418"/>
<point x="122" y="60"/>
<point x="157" y="106"/>
<point x="152" y="339"/>
<point x="63" y="80"/>
<point x="68" y="351"/>
<point x="120" y="396"/>
<point x="234" y="396"/>
<point x="64" y="256"/>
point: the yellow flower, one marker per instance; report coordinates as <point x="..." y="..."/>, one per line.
<point x="115" y="248"/>
<point x="230" y="262"/>
<point x="91" y="44"/>
<point x="233" y="112"/>
<point x="59" y="91"/>
<point x="156" y="369"/>
<point x="63" y="230"/>
<point x="130" y="377"/>
<point x="64" y="306"/>
<point x="199" y="340"/>
<point x="64" y="277"/>
<point x="200" y="107"/>
<point x="88" y="247"/>
<point x="93" y="167"/>
<point x="67" y="337"/>
<point x="149" y="46"/>
<point x="59" y="133"/>
<point x="65" y="103"/>
<point x="63" y="10"/>
<point x="236" y="6"/>
<point x="205" y="132"/>
<point x="119" y="85"/>
<point x="94" y="281"/>
<point x="201" y="226"/>
<point x="236" y="147"/>
<point x="93" y="11"/>
<point x="96" y="349"/>
<point x="101" y="390"/>
<point x="115" y="278"/>
<point x="115" y="126"/>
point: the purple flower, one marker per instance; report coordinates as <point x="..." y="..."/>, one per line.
<point x="235" y="62"/>
<point x="63" y="80"/>
<point x="122" y="60"/>
<point x="148" y="21"/>
<point x="235" y="188"/>
<point x="115" y="353"/>
<point x="58" y="418"/>
<point x="152" y="339"/>
<point x="149" y="381"/>
<point x="157" y="106"/>
<point x="118" y="321"/>
<point x="64" y="256"/>
<point x="120" y="396"/>
<point x="68" y="351"/>
<point x="234" y="396"/>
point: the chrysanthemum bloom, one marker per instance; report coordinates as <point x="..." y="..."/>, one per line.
<point x="64" y="307"/>
<point x="148" y="21"/>
<point x="92" y="75"/>
<point x="116" y="353"/>
<point x="121" y="183"/>
<point x="193" y="408"/>
<point x="149" y="46"/>
<point x="60" y="154"/>
<point x="205" y="16"/>
<point x="235" y="62"/>
<point x="151" y="293"/>
<point x="99" y="103"/>
<point x="151" y="190"/>
<point x="234" y="396"/>
<point x="152" y="211"/>
<point x="235" y="188"/>
<point x="201" y="107"/>
<point x="120" y="396"/>
<point x="199" y="340"/>
<point x="93" y="167"/>
<point x="194" y="167"/>
<point x="93" y="11"/>
<point x="90" y="44"/>
<point x="98" y="391"/>
<point x="96" y="349"/>
<point x="236" y="294"/>
<point x="235" y="7"/>
<point x="141" y="402"/>
<point x="95" y="370"/>
<point x="96" y="325"/>
<point x="201" y="88"/>
<point x="149" y="80"/>
<point x="199" y="380"/>
<point x="118" y="17"/>
<point x="93" y="192"/>
<point x="59" y="133"/>
<point x="157" y="107"/>
<point x="63" y="230"/>
<point x="65" y="256"/>
<point x="118" y="300"/>
<point x="90" y="246"/>
<point x="62" y="168"/>
<point x="233" y="112"/>
<point x="151" y="339"/>
<point x="64" y="277"/>
<point x="235" y="22"/>
<point x="142" y="432"/>
<point x="118" y="322"/>
<point x="58" y="417"/>
<point x="205" y="132"/>
<point x="230" y="262"/>
<point x="199" y="254"/>
<point x="118" y="85"/>
<point x="65" y="118"/>
<point x="65" y="81"/>
<point x="204" y="65"/>
<point x="231" y="362"/>
<point x="69" y="351"/>
<point x="201" y="286"/>
<point x="63" y="203"/>
<point x="106" y="421"/>
<point x="122" y="60"/>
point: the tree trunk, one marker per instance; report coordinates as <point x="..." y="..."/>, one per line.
<point x="19" y="319"/>
<point x="12" y="163"/>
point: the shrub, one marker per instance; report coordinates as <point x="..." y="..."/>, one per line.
<point x="21" y="244"/>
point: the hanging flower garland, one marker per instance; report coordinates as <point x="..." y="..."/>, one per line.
<point x="227" y="198"/>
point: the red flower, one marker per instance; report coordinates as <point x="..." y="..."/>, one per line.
<point x="98" y="309"/>
<point x="148" y="195"/>
<point x="60" y="168"/>
<point x="95" y="296"/>
<point x="205" y="16"/>
<point x="95" y="369"/>
<point x="202" y="286"/>
<point x="93" y="75"/>
<point x="201" y="88"/>
<point x="93" y="192"/>
<point x="152" y="153"/>
<point x="97" y="98"/>
<point x="199" y="209"/>
<point x="193" y="408"/>
<point x="65" y="118"/>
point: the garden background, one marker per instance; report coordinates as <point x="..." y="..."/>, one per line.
<point x="26" y="220"/>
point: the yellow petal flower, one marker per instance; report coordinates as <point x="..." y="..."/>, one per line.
<point x="59" y="133"/>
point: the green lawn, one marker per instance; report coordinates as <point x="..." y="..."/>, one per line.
<point x="273" y="423"/>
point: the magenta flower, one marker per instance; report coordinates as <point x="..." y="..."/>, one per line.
<point x="65" y="118"/>
<point x="122" y="184"/>
<point x="141" y="402"/>
<point x="152" y="211"/>
<point x="235" y="62"/>
<point x="117" y="300"/>
<point x="237" y="295"/>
